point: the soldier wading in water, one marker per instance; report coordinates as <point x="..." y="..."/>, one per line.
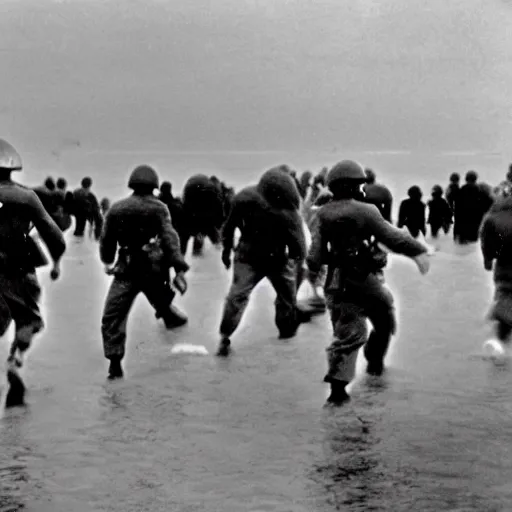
<point x="20" y="211"/>
<point x="140" y="226"/>
<point x="353" y="288"/>
<point x="271" y="245"/>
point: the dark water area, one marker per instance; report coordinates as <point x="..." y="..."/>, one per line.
<point x="194" y="433"/>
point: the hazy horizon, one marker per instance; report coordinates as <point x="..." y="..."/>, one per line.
<point x="248" y="75"/>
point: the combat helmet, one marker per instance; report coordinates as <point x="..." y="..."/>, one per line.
<point x="9" y="157"/>
<point x="347" y="171"/>
<point x="143" y="176"/>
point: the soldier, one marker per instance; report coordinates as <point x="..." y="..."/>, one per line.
<point x="412" y="212"/>
<point x="470" y="208"/>
<point x="86" y="210"/>
<point x="353" y="290"/>
<point x="140" y="226"/>
<point x="175" y="206"/>
<point x="271" y="245"/>
<point x="439" y="212"/>
<point x="203" y="211"/>
<point x="20" y="210"/>
<point x="378" y="194"/>
<point x="496" y="246"/>
<point x="47" y="196"/>
<point x="64" y="202"/>
<point x="452" y="191"/>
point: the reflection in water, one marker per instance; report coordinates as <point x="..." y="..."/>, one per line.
<point x="14" y="477"/>
<point x="351" y="466"/>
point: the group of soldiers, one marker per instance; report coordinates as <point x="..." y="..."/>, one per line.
<point x="333" y="229"/>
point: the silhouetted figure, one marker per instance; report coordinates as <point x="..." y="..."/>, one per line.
<point x="86" y="210"/>
<point x="452" y="190"/>
<point x="105" y="206"/>
<point x="204" y="211"/>
<point x="412" y="212"/>
<point x="439" y="212"/>
<point x="305" y="183"/>
<point x="378" y="195"/>
<point x="175" y="206"/>
<point x="46" y="194"/>
<point x="469" y="210"/>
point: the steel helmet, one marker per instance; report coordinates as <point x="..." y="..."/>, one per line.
<point x="9" y="157"/>
<point x="145" y="176"/>
<point x="347" y="170"/>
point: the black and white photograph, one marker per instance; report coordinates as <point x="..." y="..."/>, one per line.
<point x="255" y="255"/>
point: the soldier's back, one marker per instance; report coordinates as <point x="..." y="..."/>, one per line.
<point x="138" y="218"/>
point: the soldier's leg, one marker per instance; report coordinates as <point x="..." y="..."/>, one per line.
<point x="120" y="298"/>
<point x="288" y="317"/>
<point x="381" y="313"/>
<point x="350" y="334"/>
<point x="184" y="238"/>
<point x="198" y="245"/>
<point x="245" y="278"/>
<point x="160" y="295"/>
<point x="21" y="296"/>
<point x="80" y="222"/>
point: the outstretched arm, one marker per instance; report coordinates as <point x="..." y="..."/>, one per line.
<point x="47" y="228"/>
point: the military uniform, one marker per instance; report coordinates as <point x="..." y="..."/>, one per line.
<point x="86" y="209"/>
<point x="380" y="196"/>
<point x="203" y="212"/>
<point x="140" y="226"/>
<point x="20" y="211"/>
<point x="271" y="243"/>
<point x="496" y="245"/>
<point x="343" y="240"/>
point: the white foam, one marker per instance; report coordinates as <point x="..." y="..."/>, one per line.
<point x="493" y="348"/>
<point x="188" y="348"/>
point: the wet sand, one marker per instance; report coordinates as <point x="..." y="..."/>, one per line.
<point x="195" y="433"/>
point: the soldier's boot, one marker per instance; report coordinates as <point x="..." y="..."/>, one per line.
<point x="224" y="348"/>
<point x="115" y="370"/>
<point x="339" y="395"/>
<point x="375" y="368"/>
<point x="173" y="317"/>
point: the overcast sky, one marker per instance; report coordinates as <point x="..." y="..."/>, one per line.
<point x="242" y="75"/>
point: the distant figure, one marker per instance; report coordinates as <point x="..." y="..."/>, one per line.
<point x="504" y="189"/>
<point x="412" y="212"/>
<point x="175" y="206"/>
<point x="305" y="183"/>
<point x="439" y="212"/>
<point x="453" y="190"/>
<point x="105" y="206"/>
<point x="316" y="188"/>
<point x="86" y="210"/>
<point x="203" y="210"/>
<point x="469" y="210"/>
<point x="64" y="205"/>
<point x="378" y="195"/>
<point x="46" y="194"/>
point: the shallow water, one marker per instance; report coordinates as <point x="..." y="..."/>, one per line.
<point x="193" y="433"/>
